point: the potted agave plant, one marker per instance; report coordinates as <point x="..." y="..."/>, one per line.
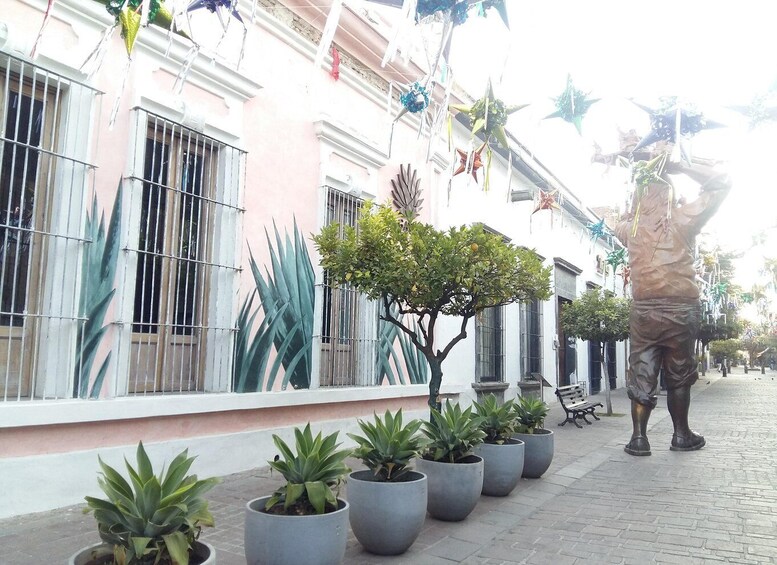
<point x="502" y="454"/>
<point x="530" y="415"/>
<point x="454" y="472"/>
<point x="303" y="522"/>
<point x="388" y="501"/>
<point x="150" y="518"/>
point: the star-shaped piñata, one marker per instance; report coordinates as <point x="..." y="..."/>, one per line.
<point x="499" y="6"/>
<point x="489" y="115"/>
<point x="572" y="105"/>
<point x="616" y="258"/>
<point x="597" y="230"/>
<point x="760" y="110"/>
<point x="664" y="125"/>
<point x="546" y="201"/>
<point x="218" y="7"/>
<point x="475" y="164"/>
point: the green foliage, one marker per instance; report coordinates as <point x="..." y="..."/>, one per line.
<point x="724" y="328"/>
<point x="312" y="474"/>
<point x="727" y="348"/>
<point x="427" y="273"/>
<point x="452" y="433"/>
<point x="387" y="446"/>
<point x="150" y="518"/>
<point x="497" y="420"/>
<point x="457" y="272"/>
<point x="597" y="316"/>
<point x="98" y="271"/>
<point x="287" y="296"/>
<point x="530" y="414"/>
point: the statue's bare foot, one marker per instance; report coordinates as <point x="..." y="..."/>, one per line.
<point x="638" y="446"/>
<point x="690" y="442"/>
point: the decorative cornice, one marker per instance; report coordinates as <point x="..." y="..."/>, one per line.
<point x="351" y="142"/>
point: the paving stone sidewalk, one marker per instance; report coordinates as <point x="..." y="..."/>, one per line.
<point x="596" y="504"/>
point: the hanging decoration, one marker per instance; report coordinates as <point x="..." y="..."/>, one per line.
<point x="415" y="100"/>
<point x="643" y="175"/>
<point x="222" y="8"/>
<point x="673" y="118"/>
<point x="335" y="72"/>
<point x="470" y="161"/>
<point x="616" y="258"/>
<point x="572" y="105"/>
<point x="489" y="115"/>
<point x="546" y="201"/>
<point x="626" y="276"/>
<point x="328" y="34"/>
<point x="762" y="109"/>
<point x="597" y="230"/>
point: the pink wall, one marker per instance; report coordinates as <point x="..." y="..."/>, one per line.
<point x="39" y="440"/>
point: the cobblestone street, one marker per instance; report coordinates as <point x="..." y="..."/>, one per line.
<point x="596" y="504"/>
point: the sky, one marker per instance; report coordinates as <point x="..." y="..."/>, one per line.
<point x="712" y="54"/>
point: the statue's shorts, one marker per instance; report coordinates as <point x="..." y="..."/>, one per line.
<point x="663" y="335"/>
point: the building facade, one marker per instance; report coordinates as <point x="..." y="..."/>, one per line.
<point x="158" y="279"/>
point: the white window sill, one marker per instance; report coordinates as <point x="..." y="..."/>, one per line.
<point x="53" y="412"/>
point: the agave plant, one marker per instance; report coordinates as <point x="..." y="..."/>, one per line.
<point x="312" y="475"/>
<point x="150" y="518"/>
<point x="251" y="354"/>
<point x="497" y="420"/>
<point x="98" y="271"/>
<point x="387" y="446"/>
<point x="530" y="414"/>
<point x="452" y="433"/>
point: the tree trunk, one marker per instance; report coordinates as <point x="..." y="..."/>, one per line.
<point x="607" y="399"/>
<point x="434" y="384"/>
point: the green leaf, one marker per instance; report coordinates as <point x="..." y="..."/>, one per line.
<point x="178" y="547"/>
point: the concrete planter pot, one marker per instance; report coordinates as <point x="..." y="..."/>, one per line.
<point x="454" y="488"/>
<point x="502" y="466"/>
<point x="102" y="553"/>
<point x="538" y="453"/>
<point x="386" y="518"/>
<point x="294" y="540"/>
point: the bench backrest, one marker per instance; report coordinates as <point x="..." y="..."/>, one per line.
<point x="570" y="394"/>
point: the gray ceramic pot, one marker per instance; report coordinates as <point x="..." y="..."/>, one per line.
<point x="101" y="553"/>
<point x="386" y="518"/>
<point x="272" y="539"/>
<point x="502" y="466"/>
<point x="538" y="453"/>
<point x="454" y="488"/>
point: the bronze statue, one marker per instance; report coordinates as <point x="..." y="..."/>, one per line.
<point x="666" y="313"/>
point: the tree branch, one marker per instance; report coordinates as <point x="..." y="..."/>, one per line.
<point x="462" y="334"/>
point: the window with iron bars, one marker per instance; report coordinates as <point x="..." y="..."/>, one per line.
<point x="348" y="332"/>
<point x="185" y="201"/>
<point x="489" y="341"/>
<point x="531" y="337"/>
<point x="46" y="181"/>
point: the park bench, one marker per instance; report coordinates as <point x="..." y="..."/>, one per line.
<point x="576" y="404"/>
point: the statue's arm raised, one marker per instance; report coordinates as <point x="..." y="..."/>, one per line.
<point x="715" y="186"/>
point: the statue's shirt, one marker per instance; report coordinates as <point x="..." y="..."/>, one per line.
<point x="661" y="249"/>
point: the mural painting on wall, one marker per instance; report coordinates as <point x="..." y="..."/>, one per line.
<point x="287" y="295"/>
<point x="98" y="271"/>
<point x="287" y="298"/>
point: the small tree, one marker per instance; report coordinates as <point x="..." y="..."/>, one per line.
<point x="425" y="273"/>
<point x="725" y="349"/>
<point x="597" y="316"/>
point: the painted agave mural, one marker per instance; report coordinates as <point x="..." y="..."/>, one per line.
<point x="98" y="271"/>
